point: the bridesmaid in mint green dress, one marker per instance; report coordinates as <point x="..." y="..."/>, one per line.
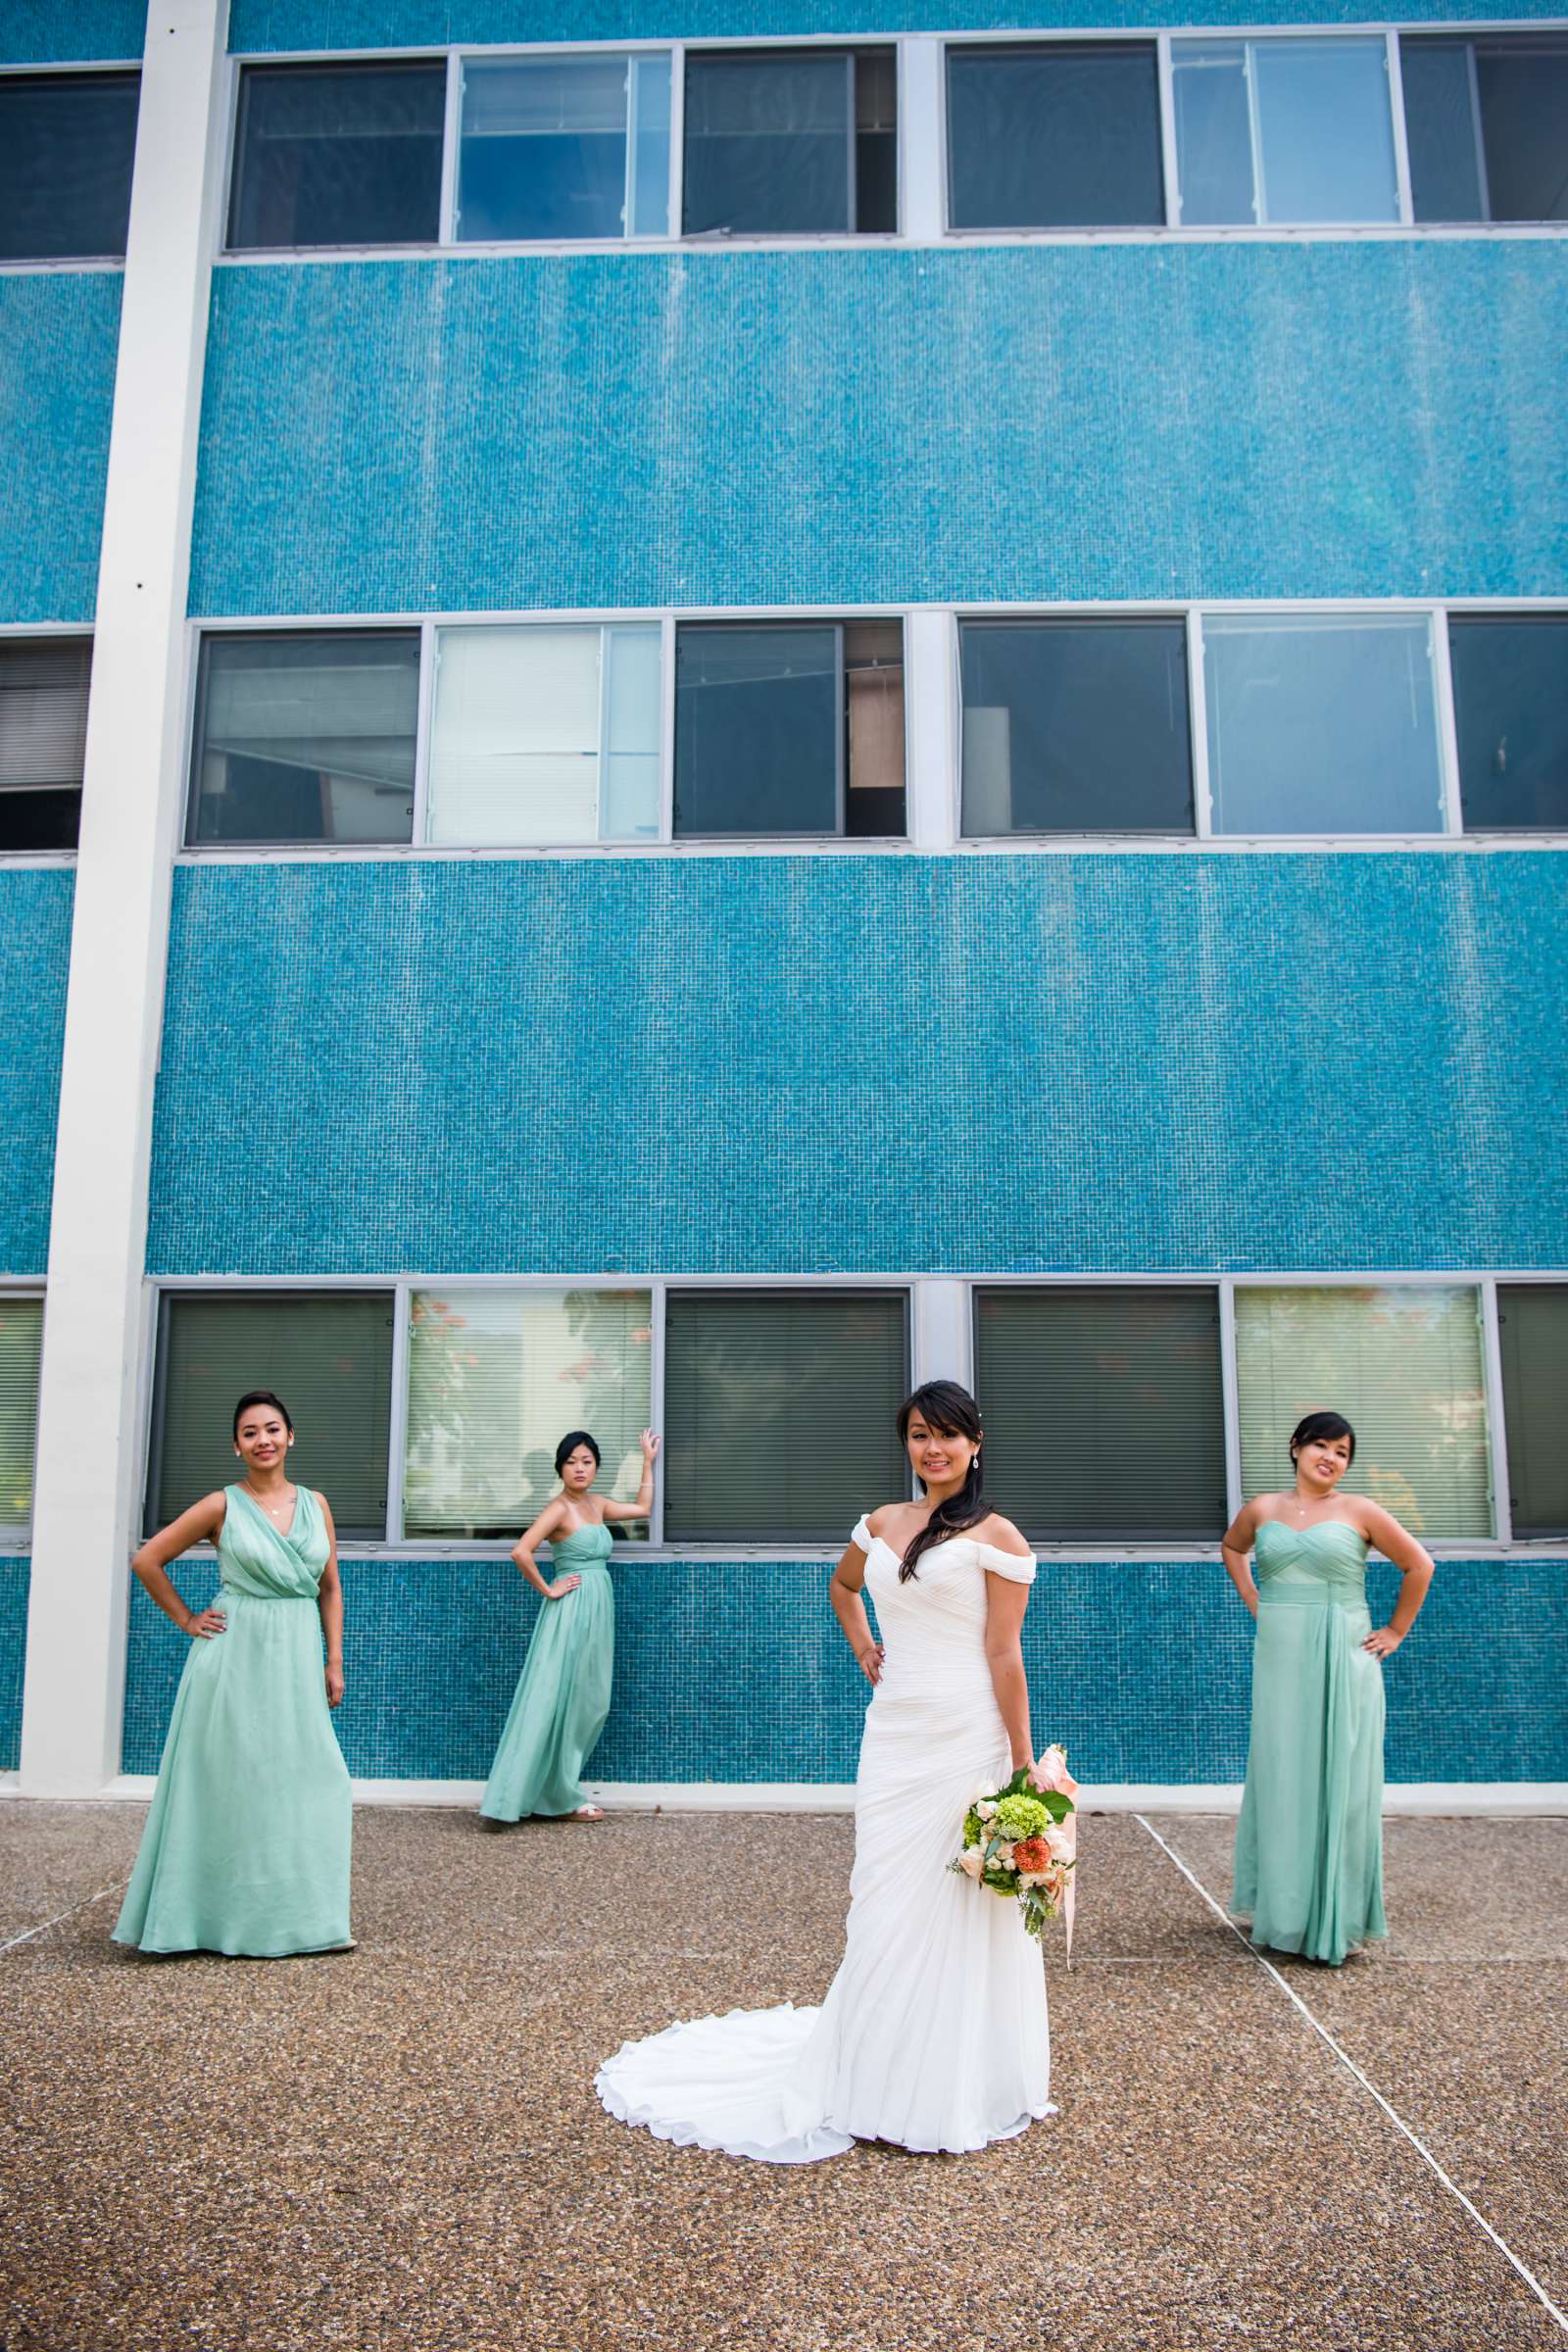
<point x="1309" y="1841"/>
<point x="563" y="1693"/>
<point x="246" y="1848"/>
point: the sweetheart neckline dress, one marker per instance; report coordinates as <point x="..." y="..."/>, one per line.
<point x="934" y="2031"/>
<point x="562" y="1698"/>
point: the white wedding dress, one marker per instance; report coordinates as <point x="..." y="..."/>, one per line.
<point x="934" y="2030"/>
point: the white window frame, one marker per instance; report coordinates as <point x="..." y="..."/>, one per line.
<point x="16" y="1537"/>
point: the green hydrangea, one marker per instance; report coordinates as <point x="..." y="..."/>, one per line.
<point x="1020" y="1817"/>
<point x="972" y="1826"/>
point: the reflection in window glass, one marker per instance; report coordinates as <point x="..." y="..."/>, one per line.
<point x="20" y="1341"/>
<point x="1059" y="136"/>
<point x="1076" y="727"/>
<point x="545" y="734"/>
<point x="307" y="737"/>
<point x="779" y="1412"/>
<point x="1532" y="1331"/>
<point x="1487" y="120"/>
<point x="1403" y="1364"/>
<point x="327" y="1354"/>
<point x="496" y="1380"/>
<point x="1510" y="700"/>
<point x="789" y="728"/>
<point x="1284" y="132"/>
<point x="1321" y="723"/>
<point x="791" y="144"/>
<point x="43" y="737"/>
<point x="338" y="155"/>
<point x="565" y="147"/>
<point x="68" y="142"/>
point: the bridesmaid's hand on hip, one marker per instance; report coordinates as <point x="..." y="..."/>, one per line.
<point x="562" y="1587"/>
<point x="1383" y="1641"/>
<point x="203" y="1624"/>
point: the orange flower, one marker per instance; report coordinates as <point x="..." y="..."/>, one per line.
<point x="1031" y="1853"/>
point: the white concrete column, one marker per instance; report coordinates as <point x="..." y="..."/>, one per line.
<point x="943" y="1341"/>
<point x="931" y="719"/>
<point x="920" y="138"/>
<point x="90" y="1435"/>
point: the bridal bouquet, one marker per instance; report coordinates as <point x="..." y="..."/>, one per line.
<point x="1021" y="1842"/>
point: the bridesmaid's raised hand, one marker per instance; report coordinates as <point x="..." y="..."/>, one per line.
<point x="562" y="1587"/>
<point x="650" y="1441"/>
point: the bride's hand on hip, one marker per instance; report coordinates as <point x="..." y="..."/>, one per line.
<point x="870" y="1661"/>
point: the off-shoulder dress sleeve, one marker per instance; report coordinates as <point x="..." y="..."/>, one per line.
<point x="861" y="1536"/>
<point x="1017" y="1571"/>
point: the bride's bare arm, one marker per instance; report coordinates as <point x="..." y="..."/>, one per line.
<point x="850" y="1609"/>
<point x="1006" y="1602"/>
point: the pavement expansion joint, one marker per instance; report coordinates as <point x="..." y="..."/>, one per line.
<point x="70" y="1912"/>
<point x="1348" y="2063"/>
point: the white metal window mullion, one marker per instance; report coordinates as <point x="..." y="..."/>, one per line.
<point x="1230" y="1397"/>
<point x="1447" y="723"/>
<point x="922" y="147"/>
<point x="398" y="1419"/>
<point x="1401" y="144"/>
<point x="1197" y="720"/>
<point x="1497" y="1423"/>
<point x="941" y="1332"/>
<point x="602" y="751"/>
<point x="451" y="144"/>
<point x="677" y="139"/>
<point x="1167" y="129"/>
<point x="666" y="727"/>
<point x="655" y="1403"/>
<point x="422" y="736"/>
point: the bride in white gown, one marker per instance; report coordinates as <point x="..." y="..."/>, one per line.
<point x="933" y="2034"/>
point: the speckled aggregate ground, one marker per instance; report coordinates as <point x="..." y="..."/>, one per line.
<point x="399" y="2150"/>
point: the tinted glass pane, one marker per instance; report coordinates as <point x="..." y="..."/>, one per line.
<point x="779" y="1414"/>
<point x="327" y="1355"/>
<point x="1054" y="138"/>
<point x="650" y="119"/>
<point x="1440" y="122"/>
<point x="67" y="146"/>
<point x="20" y="1341"/>
<point x="1321" y="725"/>
<point x="1325" y="132"/>
<point x="43" y="730"/>
<point x="876" y="142"/>
<point x="544" y="148"/>
<point x="1523" y="90"/>
<point x="1510" y="700"/>
<point x="1214" y="132"/>
<point x="873" y="688"/>
<point x="756" y="730"/>
<point x="768" y="143"/>
<point x="1076" y="727"/>
<point x="306" y="738"/>
<point x="338" y="155"/>
<point x="1103" y="1409"/>
<point x="1532" y="1327"/>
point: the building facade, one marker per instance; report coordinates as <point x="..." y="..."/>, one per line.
<point x="705" y="707"/>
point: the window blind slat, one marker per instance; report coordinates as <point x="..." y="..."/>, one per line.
<point x="20" y="1340"/>
<point x="43" y="712"/>
<point x="1533" y="1329"/>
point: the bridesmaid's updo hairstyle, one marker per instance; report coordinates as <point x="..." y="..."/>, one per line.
<point x="261" y="1397"/>
<point x="953" y="1413"/>
<point x="1319" y="1426"/>
<point x="569" y="1445"/>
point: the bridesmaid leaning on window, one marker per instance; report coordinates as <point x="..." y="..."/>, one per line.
<point x="246" y="1848"/>
<point x="1309" y="1841"/>
<point x="563" y="1694"/>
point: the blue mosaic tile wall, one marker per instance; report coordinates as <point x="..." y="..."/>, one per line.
<point x="1367" y="420"/>
<point x="59" y="337"/>
<point x="13" y="1575"/>
<point x="256" y="24"/>
<point x="34" y="953"/>
<point x="46" y="32"/>
<point x="1142" y="1671"/>
<point x="1138" y="1087"/>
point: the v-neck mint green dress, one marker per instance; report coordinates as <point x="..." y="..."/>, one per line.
<point x="246" y="1848"/>
<point x="1309" y="1841"/>
<point x="563" y="1693"/>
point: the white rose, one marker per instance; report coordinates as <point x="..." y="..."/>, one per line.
<point x="986" y="1807"/>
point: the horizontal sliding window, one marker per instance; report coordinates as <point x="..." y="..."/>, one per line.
<point x="1054" y="135"/>
<point x="43" y="736"/>
<point x="1104" y="1416"/>
<point x="794" y="142"/>
<point x="565" y="147"/>
<point x="68" y="143"/>
<point x="306" y="737"/>
<point x="1076" y="727"/>
<point x="1510" y="706"/>
<point x="779" y="1412"/>
<point x="544" y="734"/>
<point x="1404" y="1364"/>
<point x="1322" y="723"/>
<point x="338" y="155"/>
<point x="1487" y="121"/>
<point x="785" y="727"/>
<point x="327" y="1354"/>
<point x="1533" y="1330"/>
<point x="1280" y="131"/>
<point x="20" y="1343"/>
<point x="497" y="1378"/>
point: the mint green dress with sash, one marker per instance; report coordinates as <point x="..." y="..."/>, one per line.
<point x="1309" y="1841"/>
<point x="246" y="1848"/>
<point x="563" y="1693"/>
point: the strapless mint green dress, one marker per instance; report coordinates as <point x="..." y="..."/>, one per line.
<point x="246" y="1848"/>
<point x="1309" y="1841"/>
<point x="563" y="1693"/>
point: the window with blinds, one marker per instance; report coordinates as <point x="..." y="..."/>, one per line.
<point x="496" y="1378"/>
<point x="1403" y="1365"/>
<point x="328" y="1354"/>
<point x="1104" y="1411"/>
<point x="779" y="1411"/>
<point x="1533" y="1329"/>
<point x="20" y="1339"/>
<point x="43" y="738"/>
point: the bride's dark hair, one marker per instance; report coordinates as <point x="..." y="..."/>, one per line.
<point x="953" y="1413"/>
